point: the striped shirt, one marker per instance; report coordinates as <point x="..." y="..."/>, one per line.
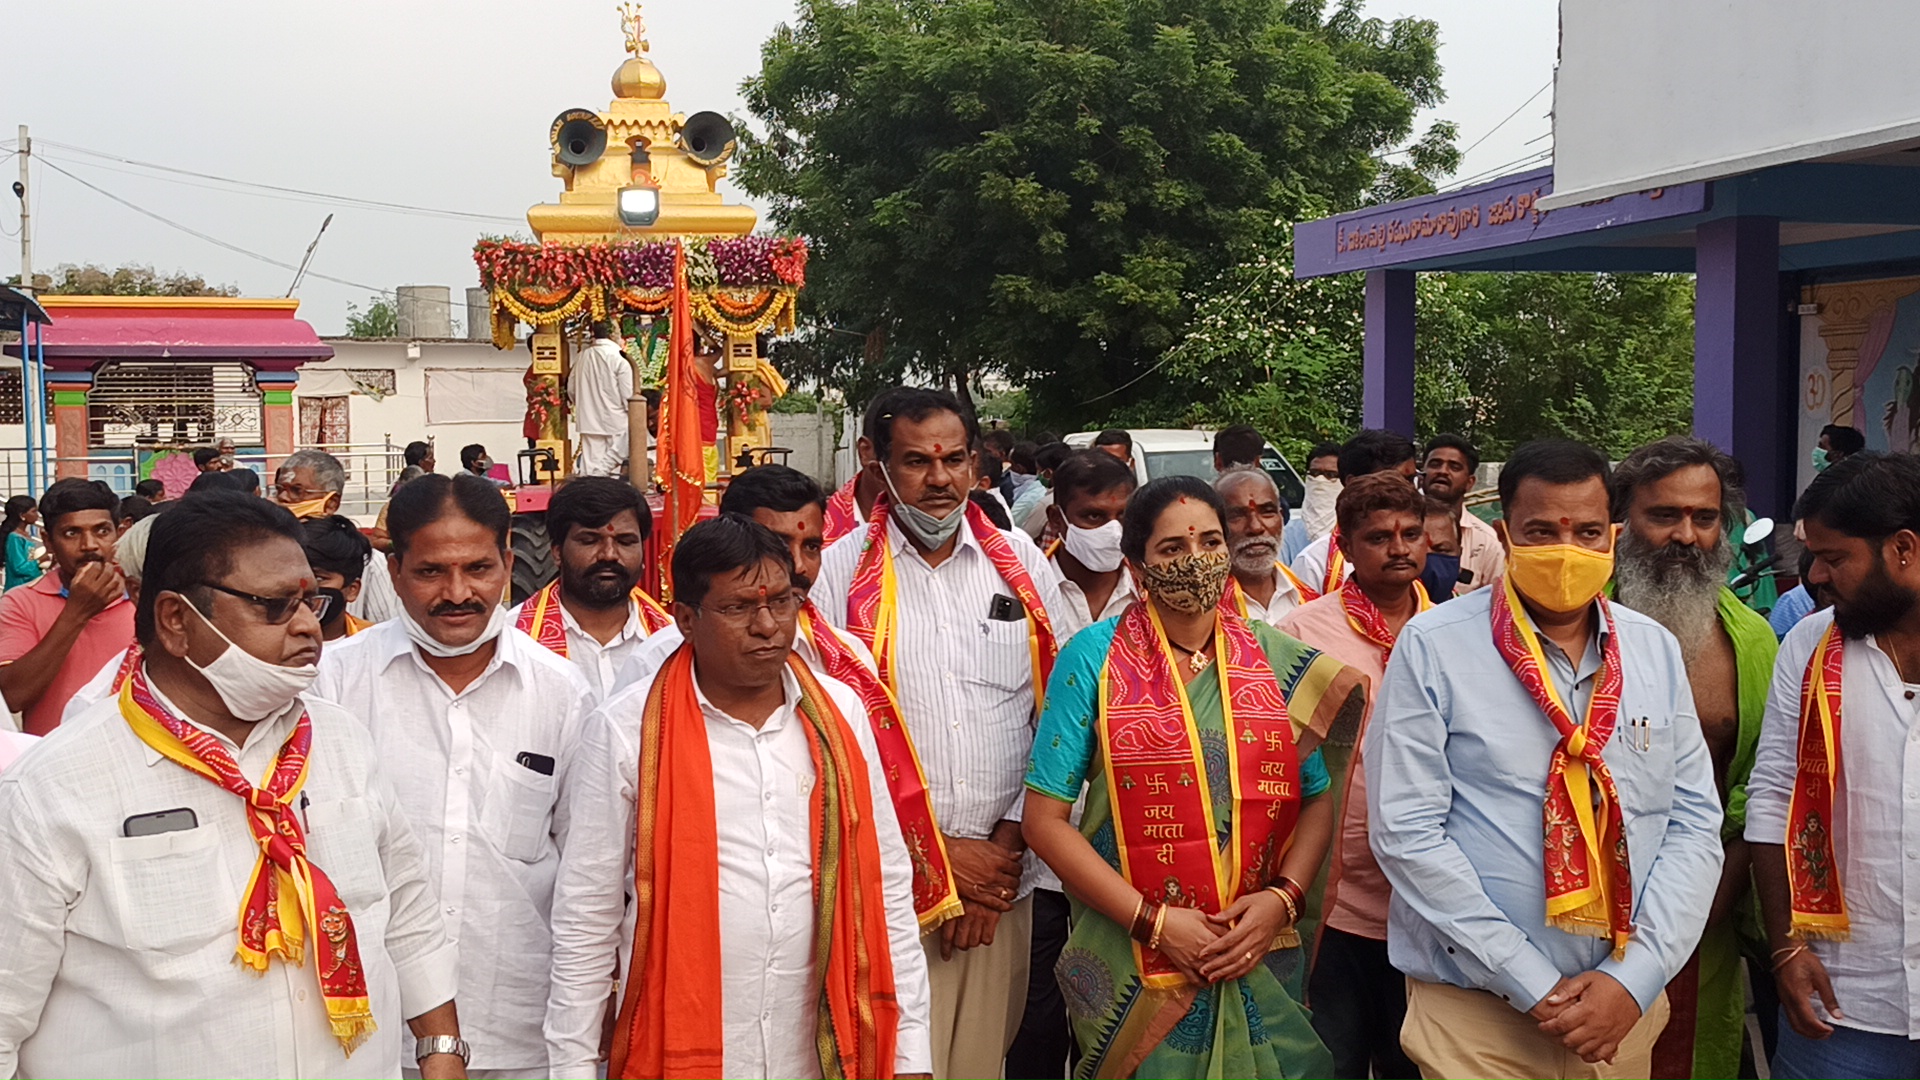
<point x="965" y="681"/>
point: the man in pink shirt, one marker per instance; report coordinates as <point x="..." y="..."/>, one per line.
<point x="56" y="633"/>
<point x="1358" y="999"/>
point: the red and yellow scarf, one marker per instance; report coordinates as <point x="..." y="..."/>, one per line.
<point x="671" y="1022"/>
<point x="1589" y="880"/>
<point x="935" y="896"/>
<point x="843" y="511"/>
<point x="873" y="600"/>
<point x="1234" y="599"/>
<point x="129" y="664"/>
<point x="1813" y="872"/>
<point x="1156" y="773"/>
<point x="1336" y="564"/>
<point x="540" y="616"/>
<point x="287" y="897"/>
<point x="1366" y="619"/>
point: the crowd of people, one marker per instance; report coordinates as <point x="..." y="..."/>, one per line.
<point x="995" y="761"/>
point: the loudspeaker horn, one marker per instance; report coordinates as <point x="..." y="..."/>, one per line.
<point x="578" y="137"/>
<point x="707" y="138"/>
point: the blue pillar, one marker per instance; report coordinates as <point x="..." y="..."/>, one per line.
<point x="1742" y="400"/>
<point x="1387" y="353"/>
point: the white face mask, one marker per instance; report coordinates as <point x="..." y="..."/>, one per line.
<point x="1317" y="507"/>
<point x="251" y="688"/>
<point x="931" y="531"/>
<point x="433" y="647"/>
<point x="1097" y="549"/>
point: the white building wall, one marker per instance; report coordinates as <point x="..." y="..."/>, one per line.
<point x="490" y="416"/>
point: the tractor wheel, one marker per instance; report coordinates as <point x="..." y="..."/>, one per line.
<point x="533" y="560"/>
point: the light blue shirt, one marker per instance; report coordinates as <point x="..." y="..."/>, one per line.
<point x="1787" y="612"/>
<point x="1293" y="538"/>
<point x="1456" y="758"/>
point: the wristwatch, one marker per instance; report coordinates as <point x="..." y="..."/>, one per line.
<point x="441" y="1044"/>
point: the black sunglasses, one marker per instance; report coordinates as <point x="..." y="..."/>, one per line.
<point x="279" y="609"/>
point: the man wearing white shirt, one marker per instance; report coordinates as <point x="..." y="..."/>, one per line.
<point x="594" y="613"/>
<point x="1370" y="451"/>
<point x="1261" y="588"/>
<point x="957" y="612"/>
<point x="1833" y="814"/>
<point x="600" y="382"/>
<point x="735" y="723"/>
<point x="484" y="726"/>
<point x="131" y="859"/>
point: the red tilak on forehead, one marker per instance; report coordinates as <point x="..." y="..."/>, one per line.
<point x="938" y="449"/>
<point x="1183" y="500"/>
<point x="763" y="592"/>
<point x="1566" y="521"/>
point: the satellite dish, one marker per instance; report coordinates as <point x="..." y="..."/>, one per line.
<point x="1757" y="533"/>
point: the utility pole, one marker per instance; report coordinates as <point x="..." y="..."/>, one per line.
<point x="26" y="214"/>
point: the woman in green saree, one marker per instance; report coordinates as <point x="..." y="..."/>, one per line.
<point x="1195" y="733"/>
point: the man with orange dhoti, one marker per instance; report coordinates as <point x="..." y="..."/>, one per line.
<point x="741" y="796"/>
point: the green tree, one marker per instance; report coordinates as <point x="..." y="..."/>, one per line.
<point x="68" y="279"/>
<point x="1040" y="188"/>
<point x="379" y="320"/>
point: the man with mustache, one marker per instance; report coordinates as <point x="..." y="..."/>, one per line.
<point x="1320" y="566"/>
<point x="595" y="614"/>
<point x="1833" y="801"/>
<point x="484" y="727"/>
<point x="957" y="612"/>
<point x="1675" y="499"/>
<point x="1447" y="476"/>
<point x="65" y="626"/>
<point x="1261" y="588"/>
<point x="1358" y="999"/>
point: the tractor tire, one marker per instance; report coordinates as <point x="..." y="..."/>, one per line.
<point x="533" y="559"/>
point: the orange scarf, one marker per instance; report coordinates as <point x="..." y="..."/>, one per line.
<point x="873" y="604"/>
<point x="1156" y="773"/>
<point x="287" y="896"/>
<point x="1366" y="619"/>
<point x="670" y="1022"/>
<point x="540" y="616"/>
<point x="1813" y="873"/>
<point x="1589" y="880"/>
<point x="355" y="624"/>
<point x="1234" y="599"/>
<point x="935" y="896"/>
<point x="843" y="511"/>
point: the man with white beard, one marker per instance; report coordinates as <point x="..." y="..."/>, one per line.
<point x="1261" y="588"/>
<point x="1676" y="498"/>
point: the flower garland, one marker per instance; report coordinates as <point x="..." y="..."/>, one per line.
<point x="732" y="262"/>
<point x="747" y="401"/>
<point x="773" y="308"/>
<point x="543" y="404"/>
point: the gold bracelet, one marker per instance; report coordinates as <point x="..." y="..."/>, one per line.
<point x="1781" y="961"/>
<point x="1159" y="924"/>
<point x="1293" y="913"/>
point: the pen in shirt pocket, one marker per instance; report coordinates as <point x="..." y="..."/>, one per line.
<point x="304" y="803"/>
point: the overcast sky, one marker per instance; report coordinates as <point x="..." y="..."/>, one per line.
<point x="444" y="105"/>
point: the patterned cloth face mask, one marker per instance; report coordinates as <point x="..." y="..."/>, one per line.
<point x="1189" y="583"/>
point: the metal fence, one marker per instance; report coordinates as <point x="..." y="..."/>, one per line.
<point x="371" y="470"/>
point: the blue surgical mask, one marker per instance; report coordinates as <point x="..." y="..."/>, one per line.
<point x="1440" y="576"/>
<point x="1819" y="460"/>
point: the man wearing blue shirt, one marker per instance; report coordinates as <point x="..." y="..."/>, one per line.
<point x="1534" y="708"/>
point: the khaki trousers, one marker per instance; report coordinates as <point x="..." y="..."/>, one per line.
<point x="1452" y="1032"/>
<point x="979" y="997"/>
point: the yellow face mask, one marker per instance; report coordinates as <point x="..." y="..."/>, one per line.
<point x="1561" y="577"/>
<point x="312" y="508"/>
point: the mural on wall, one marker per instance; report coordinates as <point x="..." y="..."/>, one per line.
<point x="1860" y="364"/>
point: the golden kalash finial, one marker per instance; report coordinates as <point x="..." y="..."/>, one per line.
<point x="634" y="26"/>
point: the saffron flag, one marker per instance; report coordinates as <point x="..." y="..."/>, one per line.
<point x="680" y="459"/>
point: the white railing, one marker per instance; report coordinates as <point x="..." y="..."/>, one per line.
<point x="371" y="470"/>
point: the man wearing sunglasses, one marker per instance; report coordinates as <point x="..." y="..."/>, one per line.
<point x="484" y="723"/>
<point x="149" y="850"/>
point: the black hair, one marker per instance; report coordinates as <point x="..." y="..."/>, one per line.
<point x="17" y="508"/>
<point x="420" y="503"/>
<point x="246" y="480"/>
<point x="1052" y="455"/>
<point x="194" y="543"/>
<point x="1374" y="450"/>
<point x="1662" y="458"/>
<point x="652" y="394"/>
<point x="135" y="507"/>
<point x="206" y="456"/>
<point x="592" y="501"/>
<point x="723" y="545"/>
<point x="1325" y="449"/>
<point x="151" y="489"/>
<point x="1114" y="436"/>
<point x="1870" y="495"/>
<point x="218" y="481"/>
<point x="72" y="495"/>
<point x="992" y="508"/>
<point x="1148" y="503"/>
<point x="778" y="488"/>
<point x="1450" y="441"/>
<point x="1844" y="440"/>
<point x="999" y="438"/>
<point x="603" y="328"/>
<point x="1552" y="461"/>
<point x="1090" y="472"/>
<point x="915" y="404"/>
<point x="989" y="469"/>
<point x="1021" y="457"/>
<point x="417" y="452"/>
<point x="471" y="453"/>
<point x="1238" y="444"/>
<point x="336" y="545"/>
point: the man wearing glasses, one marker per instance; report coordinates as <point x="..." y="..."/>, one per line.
<point x="149" y="850"/>
<point x="484" y="725"/>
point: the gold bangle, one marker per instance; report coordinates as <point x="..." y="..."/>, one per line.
<point x="1781" y="961"/>
<point x="1293" y="913"/>
<point x="1159" y="924"/>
